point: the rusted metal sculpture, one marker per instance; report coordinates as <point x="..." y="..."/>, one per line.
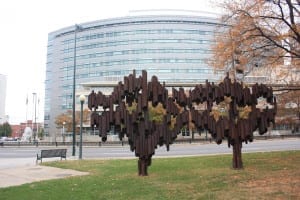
<point x="236" y="129"/>
<point x="144" y="134"/>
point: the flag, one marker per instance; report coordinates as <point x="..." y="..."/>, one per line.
<point x="27" y="100"/>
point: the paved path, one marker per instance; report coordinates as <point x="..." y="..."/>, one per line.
<point x="28" y="174"/>
<point x="18" y="171"/>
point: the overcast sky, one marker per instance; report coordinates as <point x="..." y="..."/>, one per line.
<point x="25" y="25"/>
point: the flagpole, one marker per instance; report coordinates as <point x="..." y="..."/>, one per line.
<point x="26" y="110"/>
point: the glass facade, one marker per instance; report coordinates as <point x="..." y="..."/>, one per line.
<point x="174" y="48"/>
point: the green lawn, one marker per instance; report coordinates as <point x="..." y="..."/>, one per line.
<point x="273" y="175"/>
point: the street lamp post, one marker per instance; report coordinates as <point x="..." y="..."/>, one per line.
<point x="77" y="28"/>
<point x="63" y="132"/>
<point x="82" y="99"/>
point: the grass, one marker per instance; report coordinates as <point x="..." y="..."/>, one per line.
<point x="274" y="175"/>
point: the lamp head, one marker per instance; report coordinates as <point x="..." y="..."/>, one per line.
<point x="82" y="98"/>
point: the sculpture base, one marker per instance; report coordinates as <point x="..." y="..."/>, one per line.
<point x="237" y="162"/>
<point x="143" y="164"/>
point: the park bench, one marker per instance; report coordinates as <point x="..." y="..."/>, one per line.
<point x="49" y="153"/>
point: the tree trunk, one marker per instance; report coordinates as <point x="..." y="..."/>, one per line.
<point x="237" y="162"/>
<point x="143" y="164"/>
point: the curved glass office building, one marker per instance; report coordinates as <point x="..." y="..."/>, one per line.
<point x="175" y="48"/>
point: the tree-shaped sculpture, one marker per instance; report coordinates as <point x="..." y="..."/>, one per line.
<point x="144" y="134"/>
<point x="233" y="127"/>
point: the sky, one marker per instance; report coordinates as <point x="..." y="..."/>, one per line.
<point x="24" y="33"/>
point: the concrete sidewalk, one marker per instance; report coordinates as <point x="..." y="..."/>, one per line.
<point x="19" y="171"/>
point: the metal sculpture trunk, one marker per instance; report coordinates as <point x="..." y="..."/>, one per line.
<point x="145" y="134"/>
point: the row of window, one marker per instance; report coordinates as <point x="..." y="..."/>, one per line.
<point x="94" y="73"/>
<point x="67" y="87"/>
<point x="139" y="61"/>
<point x="115" y="43"/>
<point x="136" y="32"/>
<point x="137" y="51"/>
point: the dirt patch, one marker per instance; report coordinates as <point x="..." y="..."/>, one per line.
<point x="277" y="186"/>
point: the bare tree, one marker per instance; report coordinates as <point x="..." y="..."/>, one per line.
<point x="258" y="33"/>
